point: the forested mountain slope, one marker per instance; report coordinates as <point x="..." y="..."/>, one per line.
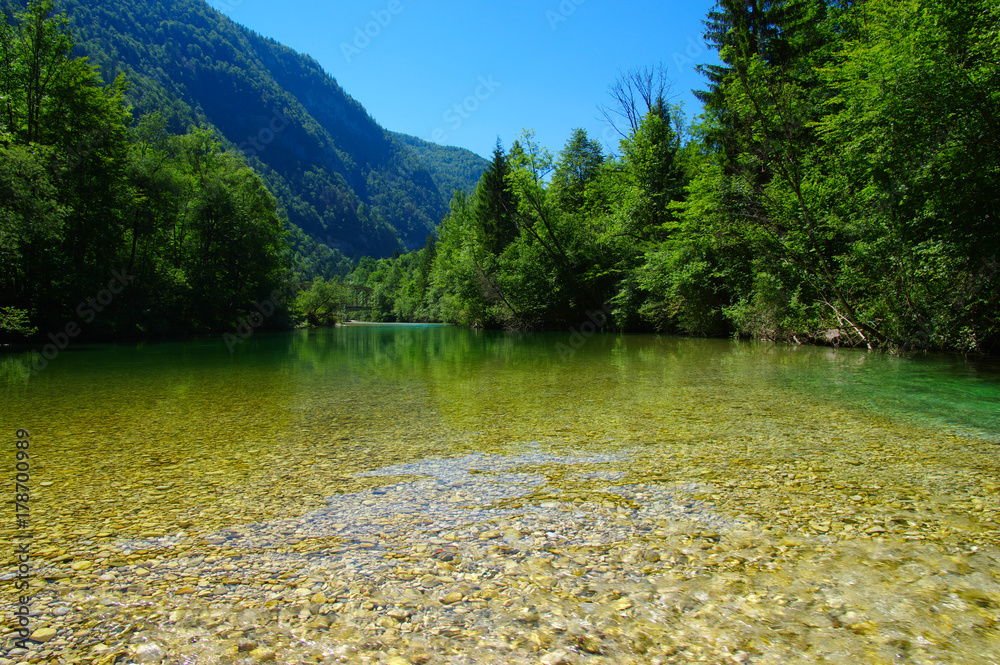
<point x="453" y="169"/>
<point x="338" y="175"/>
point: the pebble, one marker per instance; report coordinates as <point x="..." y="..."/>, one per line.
<point x="263" y="655"/>
<point x="577" y="559"/>
<point x="560" y="657"/>
<point x="149" y="653"/>
<point x="43" y="634"/>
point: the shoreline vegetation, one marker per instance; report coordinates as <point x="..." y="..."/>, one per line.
<point x="841" y="187"/>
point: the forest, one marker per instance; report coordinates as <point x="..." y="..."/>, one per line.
<point x="150" y="175"/>
<point x="102" y="213"/>
<point x="841" y="187"/>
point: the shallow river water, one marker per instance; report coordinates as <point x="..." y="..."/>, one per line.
<point x="428" y="494"/>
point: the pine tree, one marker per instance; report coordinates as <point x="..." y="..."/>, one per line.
<point x="495" y="207"/>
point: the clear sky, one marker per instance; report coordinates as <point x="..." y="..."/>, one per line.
<point x="464" y="73"/>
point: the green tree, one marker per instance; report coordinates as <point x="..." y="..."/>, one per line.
<point x="916" y="137"/>
<point x="230" y="244"/>
<point x="62" y="151"/>
<point x="766" y="100"/>
<point x="323" y="303"/>
<point x="526" y="153"/>
<point x="495" y="203"/>
<point x="578" y="166"/>
<point x="651" y="176"/>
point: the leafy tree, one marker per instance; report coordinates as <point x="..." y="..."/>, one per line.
<point x="527" y="154"/>
<point x="85" y="198"/>
<point x="63" y="149"/>
<point x="651" y="175"/>
<point x="323" y="303"/>
<point x="916" y="136"/>
<point x="578" y="166"/>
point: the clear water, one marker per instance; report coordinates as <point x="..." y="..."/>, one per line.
<point x="134" y="445"/>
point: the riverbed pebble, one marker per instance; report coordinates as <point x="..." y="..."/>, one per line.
<point x="640" y="555"/>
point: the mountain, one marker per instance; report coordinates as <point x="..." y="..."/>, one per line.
<point x="338" y="175"/>
<point x="451" y="168"/>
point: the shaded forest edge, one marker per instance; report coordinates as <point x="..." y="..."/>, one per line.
<point x="841" y="187"/>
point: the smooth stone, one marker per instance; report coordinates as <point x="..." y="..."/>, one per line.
<point x="149" y="653"/>
<point x="451" y="598"/>
<point x="561" y="657"/>
<point x="818" y="621"/>
<point x="263" y="655"/>
<point x="43" y="634"/>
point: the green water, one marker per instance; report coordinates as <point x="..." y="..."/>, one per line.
<point x="144" y="442"/>
<point x="480" y="381"/>
<point x="369" y="396"/>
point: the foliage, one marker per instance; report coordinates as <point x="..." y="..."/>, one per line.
<point x="338" y="176"/>
<point x="840" y="188"/>
<point x="452" y="169"/>
<point x="15" y="321"/>
<point x="322" y="304"/>
<point x="113" y="229"/>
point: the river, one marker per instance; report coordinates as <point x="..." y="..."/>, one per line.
<point x="429" y="494"/>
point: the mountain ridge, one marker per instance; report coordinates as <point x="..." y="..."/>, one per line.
<point x="338" y="175"/>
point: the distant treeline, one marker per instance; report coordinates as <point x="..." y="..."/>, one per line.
<point x="841" y="187"/>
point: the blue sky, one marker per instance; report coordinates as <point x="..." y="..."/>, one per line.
<point x="465" y="73"/>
